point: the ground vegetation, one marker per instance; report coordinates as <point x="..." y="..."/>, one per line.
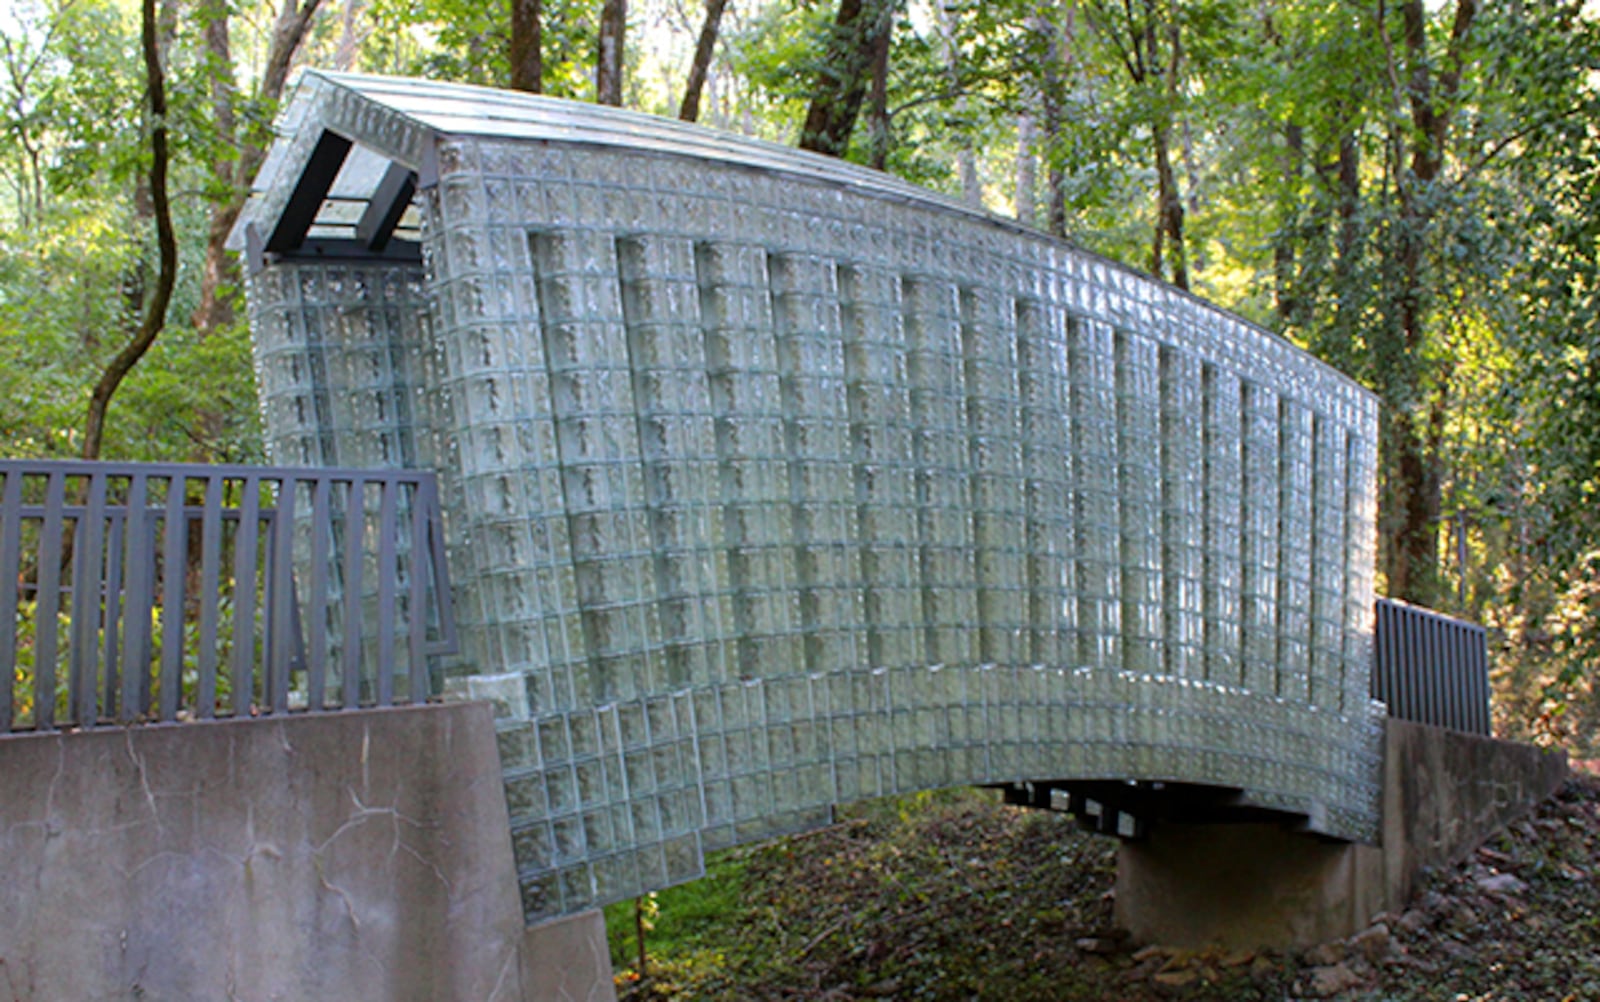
<point x="953" y="896"/>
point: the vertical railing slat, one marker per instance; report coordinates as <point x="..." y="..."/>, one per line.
<point x="1438" y="681"/>
<point x="88" y="575"/>
<point x="316" y="622"/>
<point x="416" y="608"/>
<point x="1444" y="670"/>
<point x="47" y="602"/>
<point x="210" y="595"/>
<point x="1455" y="648"/>
<point x="354" y="529"/>
<point x="138" y="577"/>
<point x="267" y="545"/>
<point x="245" y="567"/>
<point x="1427" y="667"/>
<point x="1412" y="659"/>
<point x="388" y="570"/>
<point x="174" y="595"/>
<point x="1432" y="658"/>
<point x="1378" y="686"/>
<point x="280" y="598"/>
<point x="1473" y="641"/>
<point x="1480" y="677"/>
<point x="1425" y="630"/>
<point x="10" y="582"/>
<point x="110" y="644"/>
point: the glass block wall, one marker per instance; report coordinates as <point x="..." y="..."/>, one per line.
<point x="774" y="484"/>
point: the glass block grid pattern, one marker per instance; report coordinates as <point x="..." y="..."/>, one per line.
<point x="777" y="485"/>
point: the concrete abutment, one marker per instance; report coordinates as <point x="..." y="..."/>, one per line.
<point x="1262" y="885"/>
<point x="366" y="855"/>
<point x="357" y="855"/>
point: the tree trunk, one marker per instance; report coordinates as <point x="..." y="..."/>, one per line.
<point x="1027" y="171"/>
<point x="527" y="66"/>
<point x="1415" y="394"/>
<point x="1167" y="245"/>
<point x="1169" y="202"/>
<point x="1284" y="245"/>
<point x="878" y="107"/>
<point x="219" y="274"/>
<point x="155" y="317"/>
<point x="1051" y="84"/>
<point x="966" y="156"/>
<point x="287" y="33"/>
<point x="350" y="36"/>
<point x="842" y="81"/>
<point x="1349" y="237"/>
<point x="216" y="308"/>
<point x="689" y="110"/>
<point x="608" y="62"/>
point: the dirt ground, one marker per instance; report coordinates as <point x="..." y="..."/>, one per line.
<point x="954" y="896"/>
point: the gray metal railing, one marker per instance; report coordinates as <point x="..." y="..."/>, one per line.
<point x="138" y="592"/>
<point x="1430" y="668"/>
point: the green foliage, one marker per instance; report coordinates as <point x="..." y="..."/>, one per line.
<point x="1294" y="149"/>
<point x="679" y="920"/>
<point x="777" y="51"/>
<point x="77" y="247"/>
<point x="470" y="43"/>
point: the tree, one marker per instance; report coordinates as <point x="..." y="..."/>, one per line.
<point x="155" y="317"/>
<point x="527" y="69"/>
<point x="1148" y="40"/>
<point x="857" y="43"/>
<point x="609" y="52"/>
<point x="1428" y="89"/>
<point x="966" y="156"/>
<point x="240" y="146"/>
<point x="705" y="44"/>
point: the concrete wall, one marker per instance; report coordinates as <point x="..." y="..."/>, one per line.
<point x="1254" y="885"/>
<point x="343" y="856"/>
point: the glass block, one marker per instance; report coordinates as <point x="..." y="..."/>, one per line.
<point x="723" y="489"/>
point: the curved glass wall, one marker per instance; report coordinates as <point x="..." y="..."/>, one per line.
<point x="773" y="483"/>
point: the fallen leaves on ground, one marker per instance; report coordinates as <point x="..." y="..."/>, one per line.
<point x="956" y="897"/>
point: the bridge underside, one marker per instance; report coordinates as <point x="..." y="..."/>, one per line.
<point x="1128" y="808"/>
<point x="773" y="483"/>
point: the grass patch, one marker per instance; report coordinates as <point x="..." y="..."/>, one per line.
<point x="680" y="921"/>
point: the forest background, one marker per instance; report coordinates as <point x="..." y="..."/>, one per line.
<point x="1410" y="189"/>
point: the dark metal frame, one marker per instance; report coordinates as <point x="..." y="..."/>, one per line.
<point x="138" y="549"/>
<point x="1430" y="668"/>
<point x="373" y="231"/>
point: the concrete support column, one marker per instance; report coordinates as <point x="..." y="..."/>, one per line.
<point x="1241" y="885"/>
<point x="568" y="960"/>
<point x="1259" y="885"/>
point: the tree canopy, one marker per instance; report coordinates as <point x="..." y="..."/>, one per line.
<point x="1408" y="189"/>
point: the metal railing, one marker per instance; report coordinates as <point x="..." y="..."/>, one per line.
<point x="1430" y="668"/>
<point x="142" y="592"/>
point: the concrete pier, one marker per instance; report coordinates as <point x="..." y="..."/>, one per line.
<point x="358" y="855"/>
<point x="1261" y="885"/>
